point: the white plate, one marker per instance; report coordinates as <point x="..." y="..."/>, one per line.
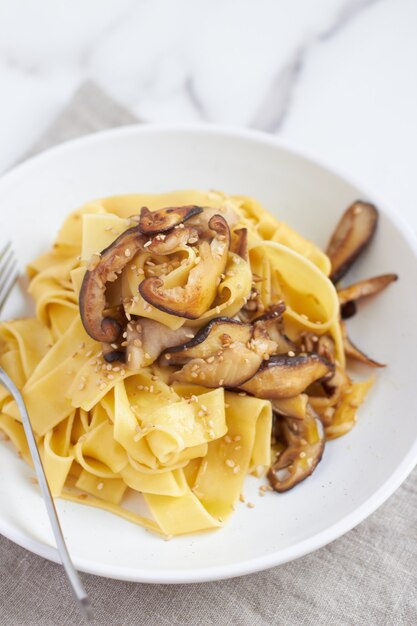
<point x="357" y="473"/>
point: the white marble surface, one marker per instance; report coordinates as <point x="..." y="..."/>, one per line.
<point x="336" y="77"/>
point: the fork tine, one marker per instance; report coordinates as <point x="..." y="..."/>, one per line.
<point x="8" y="289"/>
<point x="8" y="273"/>
<point x="5" y="248"/>
<point x="5" y="261"/>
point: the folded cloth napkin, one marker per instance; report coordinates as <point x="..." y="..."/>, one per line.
<point x="368" y="577"/>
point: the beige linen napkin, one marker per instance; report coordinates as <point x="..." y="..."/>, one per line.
<point x="368" y="577"/>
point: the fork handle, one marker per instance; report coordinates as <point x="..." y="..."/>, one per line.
<point x="71" y="572"/>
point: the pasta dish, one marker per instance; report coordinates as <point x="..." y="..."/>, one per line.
<point x="181" y="342"/>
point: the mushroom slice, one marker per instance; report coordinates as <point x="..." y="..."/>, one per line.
<point x="354" y="353"/>
<point x="271" y="323"/>
<point x="353" y="232"/>
<point x="113" y="355"/>
<point x="304" y="440"/>
<point x="230" y="368"/>
<point x="225" y="353"/>
<point x="283" y="376"/>
<point x="167" y="244"/>
<point x="322" y="345"/>
<point x="155" y="222"/>
<point x="239" y="243"/>
<point x="196" y="297"/>
<point x="272" y="313"/>
<point x="218" y="334"/>
<point x="348" y="310"/>
<point x="147" y="338"/>
<point x="92" y="299"/>
<point x="202" y="220"/>
<point x="364" y="288"/>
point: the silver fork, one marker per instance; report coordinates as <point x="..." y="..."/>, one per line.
<point x="8" y="278"/>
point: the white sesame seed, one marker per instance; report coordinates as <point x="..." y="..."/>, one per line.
<point x="100" y="486"/>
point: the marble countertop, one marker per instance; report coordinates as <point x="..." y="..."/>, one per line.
<point x="334" y="77"/>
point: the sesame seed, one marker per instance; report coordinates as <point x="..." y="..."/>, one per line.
<point x="242" y="394"/>
<point x="250" y="505"/>
<point x="127" y="252"/>
<point x="221" y="382"/>
<point x="302" y="455"/>
<point x="227" y="439"/>
<point x="242" y="498"/>
<point x="147" y="355"/>
<point x="236" y="469"/>
<point x="148" y="243"/>
<point x="114" y="346"/>
<point x="103" y="385"/>
<point x="211" y="423"/>
<point x="100" y="486"/>
<point x="230" y="463"/>
<point x="291" y="353"/>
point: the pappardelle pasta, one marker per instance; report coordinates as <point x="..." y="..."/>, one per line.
<point x="181" y="342"/>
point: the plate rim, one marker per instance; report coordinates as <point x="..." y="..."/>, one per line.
<point x="319" y="540"/>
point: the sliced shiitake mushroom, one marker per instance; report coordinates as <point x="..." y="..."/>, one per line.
<point x="320" y="344"/>
<point x="163" y="220"/>
<point x="106" y="269"/>
<point x="354" y="353"/>
<point x="348" y="310"/>
<point x="239" y="243"/>
<point x="196" y="297"/>
<point x="304" y="441"/>
<point x="169" y="243"/>
<point x="230" y="368"/>
<point x="283" y="376"/>
<point x="364" y="288"/>
<point x="271" y="322"/>
<point x="352" y="234"/>
<point x="225" y="353"/>
<point x="202" y="220"/>
<point x="146" y="339"/>
<point x="110" y="355"/>
<point x="216" y="335"/>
